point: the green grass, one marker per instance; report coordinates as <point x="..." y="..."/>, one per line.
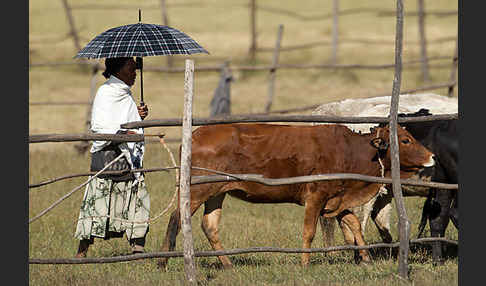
<point x="223" y="29"/>
<point x="243" y="225"/>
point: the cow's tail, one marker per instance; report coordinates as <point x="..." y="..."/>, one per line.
<point x="430" y="207"/>
<point x="423" y="220"/>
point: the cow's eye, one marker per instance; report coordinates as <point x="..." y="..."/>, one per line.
<point x="406" y="141"/>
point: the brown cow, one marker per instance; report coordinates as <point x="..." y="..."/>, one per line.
<point x="279" y="151"/>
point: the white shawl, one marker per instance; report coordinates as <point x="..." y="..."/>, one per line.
<point x="113" y="105"/>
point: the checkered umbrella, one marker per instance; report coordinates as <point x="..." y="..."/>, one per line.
<point x="140" y="40"/>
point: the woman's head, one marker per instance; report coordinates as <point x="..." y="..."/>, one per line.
<point x="122" y="68"/>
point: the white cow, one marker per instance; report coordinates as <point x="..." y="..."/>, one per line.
<point x="380" y="107"/>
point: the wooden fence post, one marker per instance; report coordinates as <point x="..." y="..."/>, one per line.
<point x="221" y="102"/>
<point x="165" y="21"/>
<point x="83" y="146"/>
<point x="403" y="223"/>
<point x="185" y="179"/>
<point x="423" y="41"/>
<point x="273" y="71"/>
<point x="73" y="32"/>
<point x="253" y="44"/>
<point x="452" y="78"/>
<point x="92" y="94"/>
<point x="335" y="31"/>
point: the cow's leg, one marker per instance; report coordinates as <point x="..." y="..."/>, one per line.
<point x="210" y="222"/>
<point x="454" y="212"/>
<point x="351" y="229"/>
<point x="438" y="223"/>
<point x="424" y="218"/>
<point x="347" y="234"/>
<point x="174" y="227"/>
<point x="311" y="214"/>
<point x="374" y="208"/>
<point x="363" y="213"/>
<point x="381" y="216"/>
<point x="327" y="228"/>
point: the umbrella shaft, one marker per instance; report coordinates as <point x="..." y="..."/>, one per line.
<point x="140" y="66"/>
<point x="141" y="87"/>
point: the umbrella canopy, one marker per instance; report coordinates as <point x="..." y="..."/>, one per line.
<point x="140" y="40"/>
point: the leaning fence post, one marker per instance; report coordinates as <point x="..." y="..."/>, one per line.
<point x="185" y="179"/>
<point x="221" y="102"/>
<point x="71" y="24"/>
<point x="165" y="21"/>
<point x="253" y="44"/>
<point x="403" y="223"/>
<point x="423" y="41"/>
<point x="335" y="31"/>
<point x="92" y="94"/>
<point x="82" y="147"/>
<point x="273" y="70"/>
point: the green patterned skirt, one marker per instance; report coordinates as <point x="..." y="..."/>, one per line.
<point x="113" y="208"/>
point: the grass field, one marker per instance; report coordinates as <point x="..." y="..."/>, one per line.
<point x="222" y="27"/>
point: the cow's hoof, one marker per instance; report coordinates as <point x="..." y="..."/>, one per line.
<point x="438" y="262"/>
<point x="162" y="264"/>
<point x="366" y="260"/>
<point x="227" y="266"/>
<point x="304" y="265"/>
<point x="363" y="261"/>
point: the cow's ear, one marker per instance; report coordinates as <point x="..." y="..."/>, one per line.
<point x="379" y="144"/>
<point x="376" y="142"/>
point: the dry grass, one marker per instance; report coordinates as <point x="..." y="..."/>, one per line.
<point x="223" y="29"/>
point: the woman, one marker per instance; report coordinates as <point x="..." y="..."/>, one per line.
<point x="110" y="202"/>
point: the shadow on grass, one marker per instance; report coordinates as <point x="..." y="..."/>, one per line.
<point x="423" y="252"/>
<point x="236" y="261"/>
<point x="253" y="261"/>
<point x="213" y="266"/>
<point x="419" y="252"/>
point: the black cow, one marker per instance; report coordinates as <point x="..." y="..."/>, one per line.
<point x="442" y="138"/>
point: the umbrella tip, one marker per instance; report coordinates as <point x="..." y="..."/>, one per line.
<point x="139" y="15"/>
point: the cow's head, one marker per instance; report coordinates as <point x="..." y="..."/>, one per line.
<point x="413" y="155"/>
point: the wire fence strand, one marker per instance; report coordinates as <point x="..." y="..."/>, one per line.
<point x="236" y="251"/>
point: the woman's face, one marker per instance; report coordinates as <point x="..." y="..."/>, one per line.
<point x="127" y="73"/>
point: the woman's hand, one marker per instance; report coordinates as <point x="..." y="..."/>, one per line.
<point x="142" y="111"/>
